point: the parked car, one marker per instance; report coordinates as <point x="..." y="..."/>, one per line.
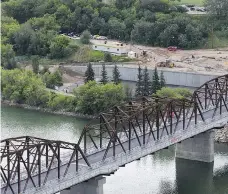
<point x="102" y="38"/>
<point x="172" y="48"/>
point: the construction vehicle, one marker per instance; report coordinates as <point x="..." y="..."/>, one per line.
<point x="167" y="63"/>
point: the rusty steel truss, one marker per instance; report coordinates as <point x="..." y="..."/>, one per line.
<point x="33" y="156"/>
<point x="150" y="118"/>
<point x="142" y="120"/>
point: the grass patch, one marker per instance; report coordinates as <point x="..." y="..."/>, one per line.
<point x="86" y="54"/>
<point x="75" y="42"/>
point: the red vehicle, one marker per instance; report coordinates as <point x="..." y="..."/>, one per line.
<point x="172" y="48"/>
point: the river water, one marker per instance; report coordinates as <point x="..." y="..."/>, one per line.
<point x="155" y="174"/>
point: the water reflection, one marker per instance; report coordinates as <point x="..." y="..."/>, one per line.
<point x="194" y="177"/>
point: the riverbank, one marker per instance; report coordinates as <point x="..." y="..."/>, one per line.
<point x="47" y="110"/>
<point x="221" y="135"/>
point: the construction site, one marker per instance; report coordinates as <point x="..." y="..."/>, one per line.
<point x="202" y="60"/>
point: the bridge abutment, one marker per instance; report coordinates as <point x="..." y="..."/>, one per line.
<point x="92" y="186"/>
<point x="199" y="148"/>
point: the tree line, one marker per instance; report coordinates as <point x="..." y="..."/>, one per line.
<point x="89" y="75"/>
<point x="145" y="86"/>
<point x="33" y="27"/>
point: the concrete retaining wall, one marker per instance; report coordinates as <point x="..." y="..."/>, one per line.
<point x="187" y="79"/>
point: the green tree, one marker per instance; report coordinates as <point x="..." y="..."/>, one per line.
<point x="52" y="79"/>
<point x="35" y="64"/>
<point x="7" y="57"/>
<point x="104" y="77"/>
<point x="146" y="83"/>
<point x="59" y="47"/>
<point x="176" y="93"/>
<point x="93" y="98"/>
<point x="139" y="83"/>
<point x="116" y="75"/>
<point x="107" y="57"/>
<point x="128" y="93"/>
<point x="89" y="74"/>
<point x="156" y="85"/>
<point x="85" y="37"/>
<point x="162" y="79"/>
<point x="116" y="28"/>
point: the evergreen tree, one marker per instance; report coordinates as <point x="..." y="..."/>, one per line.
<point x="139" y="83"/>
<point x="162" y="80"/>
<point x="104" y="76"/>
<point x="35" y="64"/>
<point x="116" y="75"/>
<point x="146" y="83"/>
<point x="107" y="57"/>
<point x="156" y="85"/>
<point x="89" y="74"/>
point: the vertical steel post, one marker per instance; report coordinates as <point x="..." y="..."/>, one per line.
<point x="183" y="114"/>
<point x="220" y="99"/>
<point x="171" y="118"/>
<point x="39" y="165"/>
<point x="216" y="90"/>
<point x="47" y="155"/>
<point x="8" y="162"/>
<point x="58" y="155"/>
<point x="28" y="158"/>
<point x="144" y="126"/>
<point x="157" y="119"/>
<point x="114" y="135"/>
<point x="85" y="142"/>
<point x="76" y="158"/>
<point x="195" y="108"/>
<point x="226" y="88"/>
<point x="18" y="174"/>
<point x="129" y="135"/>
<point x="205" y="100"/>
<point x="129" y="126"/>
<point x="100" y="132"/>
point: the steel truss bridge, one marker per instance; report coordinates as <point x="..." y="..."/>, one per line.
<point x="121" y="135"/>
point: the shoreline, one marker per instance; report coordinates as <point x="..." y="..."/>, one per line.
<point x="47" y="110"/>
<point x="221" y="135"/>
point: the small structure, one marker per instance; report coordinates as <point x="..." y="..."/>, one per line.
<point x="114" y="48"/>
<point x="132" y="54"/>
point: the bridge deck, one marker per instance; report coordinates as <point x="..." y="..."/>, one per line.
<point x="96" y="158"/>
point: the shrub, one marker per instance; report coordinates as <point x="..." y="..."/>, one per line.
<point x="61" y="102"/>
<point x="176" y="93"/>
<point x="107" y="57"/>
<point x="93" y="98"/>
<point x="85" y="37"/>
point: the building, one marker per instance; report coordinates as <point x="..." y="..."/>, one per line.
<point x="132" y="54"/>
<point x="114" y="48"/>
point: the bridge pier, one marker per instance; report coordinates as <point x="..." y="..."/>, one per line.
<point x="199" y="148"/>
<point x="92" y="186"/>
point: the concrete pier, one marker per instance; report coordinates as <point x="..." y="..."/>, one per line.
<point x="92" y="186"/>
<point x="199" y="148"/>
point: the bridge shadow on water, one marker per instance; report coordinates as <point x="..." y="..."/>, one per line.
<point x="191" y="174"/>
